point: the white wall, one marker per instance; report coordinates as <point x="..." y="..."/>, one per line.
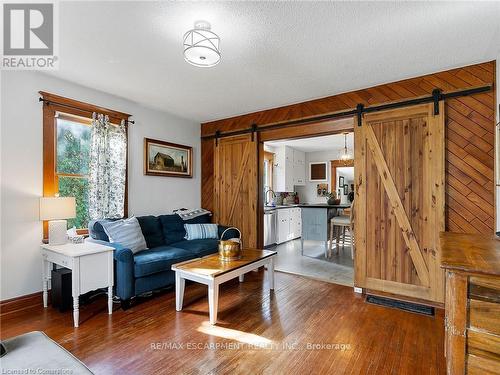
<point x="307" y="193"/>
<point x="21" y="169"/>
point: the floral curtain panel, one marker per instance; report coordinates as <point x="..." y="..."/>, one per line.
<point x="108" y="163"/>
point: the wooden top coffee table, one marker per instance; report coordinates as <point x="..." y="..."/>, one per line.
<point x="212" y="271"/>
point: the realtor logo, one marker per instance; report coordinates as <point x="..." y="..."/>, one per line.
<point x="28" y="36"/>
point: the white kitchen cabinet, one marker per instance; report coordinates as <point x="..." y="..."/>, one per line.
<point x="289" y="224"/>
<point x="296" y="222"/>
<point x="289" y="169"/>
<point x="284" y="180"/>
<point x="289" y="175"/>
<point x="283" y="225"/>
<point x="299" y="168"/>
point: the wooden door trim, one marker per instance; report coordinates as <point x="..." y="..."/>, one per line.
<point x="334" y="164"/>
<point x="360" y="206"/>
<point x="338" y="126"/>
<point x="397" y="206"/>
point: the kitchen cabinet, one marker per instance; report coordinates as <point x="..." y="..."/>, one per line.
<point x="299" y="168"/>
<point x="283" y="226"/>
<point x="289" y="224"/>
<point x="295" y="226"/>
<point x="283" y="178"/>
<point x="289" y="169"/>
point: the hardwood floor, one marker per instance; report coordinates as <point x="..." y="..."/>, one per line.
<point x="272" y="332"/>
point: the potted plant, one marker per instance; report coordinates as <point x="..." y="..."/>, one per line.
<point x="332" y="198"/>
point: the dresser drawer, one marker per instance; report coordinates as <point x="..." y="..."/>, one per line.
<point x="484" y="288"/>
<point x="483" y="344"/>
<point x="58" y="259"/>
<point x="484" y="316"/>
<point x="482" y="366"/>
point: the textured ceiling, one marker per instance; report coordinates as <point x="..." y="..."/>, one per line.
<point x="273" y="53"/>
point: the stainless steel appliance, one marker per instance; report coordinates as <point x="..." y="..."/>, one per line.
<point x="270" y="221"/>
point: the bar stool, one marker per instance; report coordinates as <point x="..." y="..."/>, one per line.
<point x="338" y="227"/>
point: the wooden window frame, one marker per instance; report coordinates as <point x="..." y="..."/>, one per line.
<point x="53" y="104"/>
<point x="269" y="156"/>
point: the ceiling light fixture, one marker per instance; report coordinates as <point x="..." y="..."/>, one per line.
<point x="202" y="46"/>
<point x="345" y="155"/>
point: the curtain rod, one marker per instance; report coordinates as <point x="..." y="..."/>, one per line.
<point x="436" y="97"/>
<point x="75" y="107"/>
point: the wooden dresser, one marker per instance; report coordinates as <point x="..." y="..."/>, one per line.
<point x="472" y="267"/>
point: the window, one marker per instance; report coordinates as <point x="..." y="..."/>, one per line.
<point x="66" y="152"/>
<point x="268" y="171"/>
<point x="72" y="164"/>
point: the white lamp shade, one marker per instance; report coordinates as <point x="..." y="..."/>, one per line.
<point x="57" y="208"/>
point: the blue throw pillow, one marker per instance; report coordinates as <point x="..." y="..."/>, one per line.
<point x="127" y="233"/>
<point x="201" y="231"/>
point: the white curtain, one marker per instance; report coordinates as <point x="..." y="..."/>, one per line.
<point x="108" y="163"/>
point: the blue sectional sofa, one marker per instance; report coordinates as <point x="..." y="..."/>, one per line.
<point x="150" y="269"/>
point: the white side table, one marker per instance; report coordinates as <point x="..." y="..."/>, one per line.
<point x="91" y="265"/>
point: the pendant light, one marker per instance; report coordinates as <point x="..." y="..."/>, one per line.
<point x="345" y="156"/>
<point x="202" y="46"/>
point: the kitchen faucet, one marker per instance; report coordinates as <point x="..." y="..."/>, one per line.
<point x="265" y="195"/>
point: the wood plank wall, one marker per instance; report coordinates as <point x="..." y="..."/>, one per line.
<point x="470" y="137"/>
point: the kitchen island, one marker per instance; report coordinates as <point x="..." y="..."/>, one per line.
<point x="315" y="220"/>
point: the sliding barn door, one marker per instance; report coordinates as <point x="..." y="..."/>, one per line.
<point x="399" y="166"/>
<point x="236" y="185"/>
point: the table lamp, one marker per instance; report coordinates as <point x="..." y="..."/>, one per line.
<point x="56" y="210"/>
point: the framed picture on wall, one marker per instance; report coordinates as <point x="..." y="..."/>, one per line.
<point x="167" y="159"/>
<point x="341" y="181"/>
<point x="346" y="189"/>
<point x="317" y="171"/>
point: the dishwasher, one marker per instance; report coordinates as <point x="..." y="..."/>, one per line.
<point x="270" y="218"/>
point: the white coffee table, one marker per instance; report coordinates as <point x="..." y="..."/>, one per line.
<point x="212" y="271"/>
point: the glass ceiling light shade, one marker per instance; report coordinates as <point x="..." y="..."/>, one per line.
<point x="345" y="155"/>
<point x="202" y="46"/>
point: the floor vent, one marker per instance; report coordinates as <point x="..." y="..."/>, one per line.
<point x="401" y="305"/>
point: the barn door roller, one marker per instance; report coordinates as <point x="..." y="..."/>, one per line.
<point x="436" y="96"/>
<point x="254" y="129"/>
<point x="217" y="136"/>
<point x="359" y="112"/>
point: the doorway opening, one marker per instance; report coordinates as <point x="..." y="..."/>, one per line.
<point x="308" y="187"/>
